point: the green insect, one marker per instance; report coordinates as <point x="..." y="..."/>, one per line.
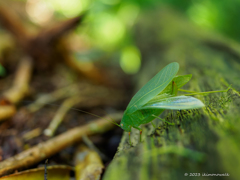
<point x="158" y="94"/>
<point x="153" y="98"/>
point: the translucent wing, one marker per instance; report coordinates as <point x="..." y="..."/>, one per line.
<point x="176" y="102"/>
<point x="159" y="98"/>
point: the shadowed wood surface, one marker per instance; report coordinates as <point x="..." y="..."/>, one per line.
<point x="201" y="141"/>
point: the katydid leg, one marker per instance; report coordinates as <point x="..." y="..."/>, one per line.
<point x="174" y="89"/>
<point x="202" y="93"/>
<point x="183" y="90"/>
<point x="140" y="130"/>
<point x="153" y="125"/>
<point x="129" y="134"/>
<point x="140" y="135"/>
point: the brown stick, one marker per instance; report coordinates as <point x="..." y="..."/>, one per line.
<point x="49" y="35"/>
<point x="12" y="23"/>
<point x="58" y="94"/>
<point x="19" y="89"/>
<point x="59" y="116"/>
<point x="21" y="82"/>
<point x="54" y="145"/>
<point x="90" y="71"/>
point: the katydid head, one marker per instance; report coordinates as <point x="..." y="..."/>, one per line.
<point x="125" y="123"/>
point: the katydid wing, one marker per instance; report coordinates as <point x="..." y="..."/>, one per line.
<point x="132" y="116"/>
<point x="175" y="102"/>
<point x="157" y="89"/>
<point x="166" y="93"/>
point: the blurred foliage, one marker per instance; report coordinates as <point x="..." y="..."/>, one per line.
<point x="2" y="71"/>
<point x="108" y="23"/>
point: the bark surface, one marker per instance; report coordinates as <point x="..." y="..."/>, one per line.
<point x="202" y="141"/>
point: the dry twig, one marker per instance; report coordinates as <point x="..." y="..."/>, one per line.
<point x="12" y="23"/>
<point x="89" y="165"/>
<point x="32" y="134"/>
<point x="21" y="83"/>
<point x="54" y="145"/>
<point x="70" y="90"/>
<point x="67" y="104"/>
<point x="18" y="91"/>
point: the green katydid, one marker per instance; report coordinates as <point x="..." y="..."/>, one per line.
<point x="158" y="94"/>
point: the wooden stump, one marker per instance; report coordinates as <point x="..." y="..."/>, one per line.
<point x="202" y="141"/>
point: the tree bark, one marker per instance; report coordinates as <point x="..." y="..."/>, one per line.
<point x="202" y="141"/>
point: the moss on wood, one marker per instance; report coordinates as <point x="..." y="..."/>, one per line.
<point x="202" y="141"/>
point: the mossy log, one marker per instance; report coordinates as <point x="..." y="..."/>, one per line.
<point x="203" y="141"/>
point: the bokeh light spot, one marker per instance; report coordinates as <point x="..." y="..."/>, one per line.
<point x="128" y="13"/>
<point x="110" y="2"/>
<point x="39" y="11"/>
<point x="70" y="8"/>
<point x="108" y="30"/>
<point x="203" y="13"/>
<point x="130" y="61"/>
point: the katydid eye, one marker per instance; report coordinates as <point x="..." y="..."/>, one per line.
<point x="121" y="124"/>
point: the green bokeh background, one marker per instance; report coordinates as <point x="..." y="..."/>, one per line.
<point x="108" y="24"/>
